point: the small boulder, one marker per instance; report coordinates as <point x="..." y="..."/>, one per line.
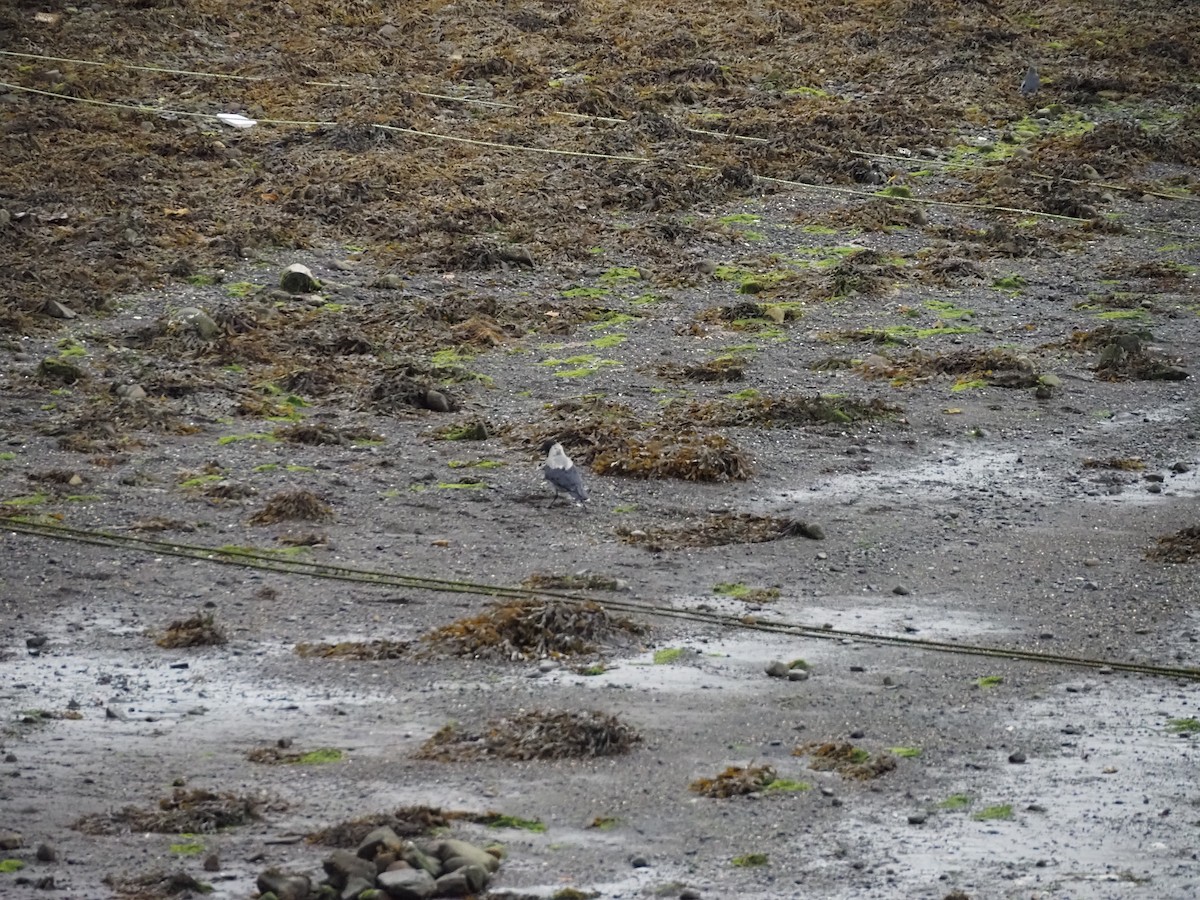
<point x="453" y="884"/>
<point x="197" y="320"/>
<point x="777" y="669"/>
<point x="408" y="884"/>
<point x="381" y="839"/>
<point x="419" y="859"/>
<point x="470" y="854"/>
<point x="285" y="887"/>
<point x="342" y="866"/>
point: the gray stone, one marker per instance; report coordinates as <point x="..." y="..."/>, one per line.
<point x="472" y="855"/>
<point x="408" y="884"/>
<point x="453" y="884"/>
<point x="777" y="669"/>
<point x="46" y="853"/>
<point x="477" y="877"/>
<point x="356" y="886"/>
<point x="901" y="591"/>
<point x="11" y="840"/>
<point x="285" y="887"/>
<point x="298" y="279"/>
<point x="638" y="861"/>
<point x="1016" y="758"/>
<point x="797" y="674"/>
<point x="342" y="867"/>
<point x="196" y="319"/>
<point x="918" y="818"/>
<point x="130" y="392"/>
<point x="380" y="839"/>
<point x="389" y="281"/>
<point x="419" y="859"/>
<point x="57" y="310"/>
<point x="689" y="894"/>
<point x="437" y="401"/>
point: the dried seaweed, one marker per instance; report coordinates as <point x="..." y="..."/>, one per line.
<point x="998" y="367"/>
<point x="720" y="368"/>
<point x="776" y="411"/>
<point x="380" y="648"/>
<point x="195" y="811"/>
<point x="1181" y="547"/>
<point x="718" y="530"/>
<point x="299" y="505"/>
<point x="846" y="759"/>
<point x="534" y="734"/>
<point x="406" y="821"/>
<point x="156" y="885"/>
<point x="686" y="455"/>
<point x="200" y="630"/>
<point x="531" y="629"/>
<point x="735" y="781"/>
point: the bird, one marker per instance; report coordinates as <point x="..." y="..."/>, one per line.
<point x="1031" y="83"/>
<point x="562" y="474"/>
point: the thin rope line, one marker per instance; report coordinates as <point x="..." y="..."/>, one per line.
<point x="258" y="560"/>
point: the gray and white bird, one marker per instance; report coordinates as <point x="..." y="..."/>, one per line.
<point x="562" y="474"/>
<point x="1031" y="83"/>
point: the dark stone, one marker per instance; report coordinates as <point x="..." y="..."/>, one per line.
<point x="408" y="884"/>
<point x="285" y="887"/>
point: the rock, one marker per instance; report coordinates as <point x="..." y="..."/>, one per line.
<point x="111" y="712"/>
<point x="1017" y="758"/>
<point x="777" y="669"/>
<point x="810" y="530"/>
<point x="1171" y="373"/>
<point x="130" y="392"/>
<point x="298" y="279"/>
<point x="419" y="859"/>
<point x="639" y="862"/>
<point x="470" y="854"/>
<point x="285" y="887"/>
<point x="453" y="884"/>
<point x="11" y="840"/>
<point x="408" y="884"/>
<point x="57" y="369"/>
<point x="197" y="320"/>
<point x="918" y="818"/>
<point x="57" y="310"/>
<point x="344" y="867"/>
<point x="389" y="281"/>
<point x="797" y="675"/>
<point x="901" y="590"/>
<point x="1181" y="468"/>
<point x="437" y="401"/>
<point x="212" y="863"/>
<point x="385" y="860"/>
<point x="356" y="886"/>
<point x="378" y="840"/>
<point x="477" y="877"/>
<point x="689" y="894"/>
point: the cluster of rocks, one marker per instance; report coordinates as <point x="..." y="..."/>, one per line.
<point x="387" y="866"/>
